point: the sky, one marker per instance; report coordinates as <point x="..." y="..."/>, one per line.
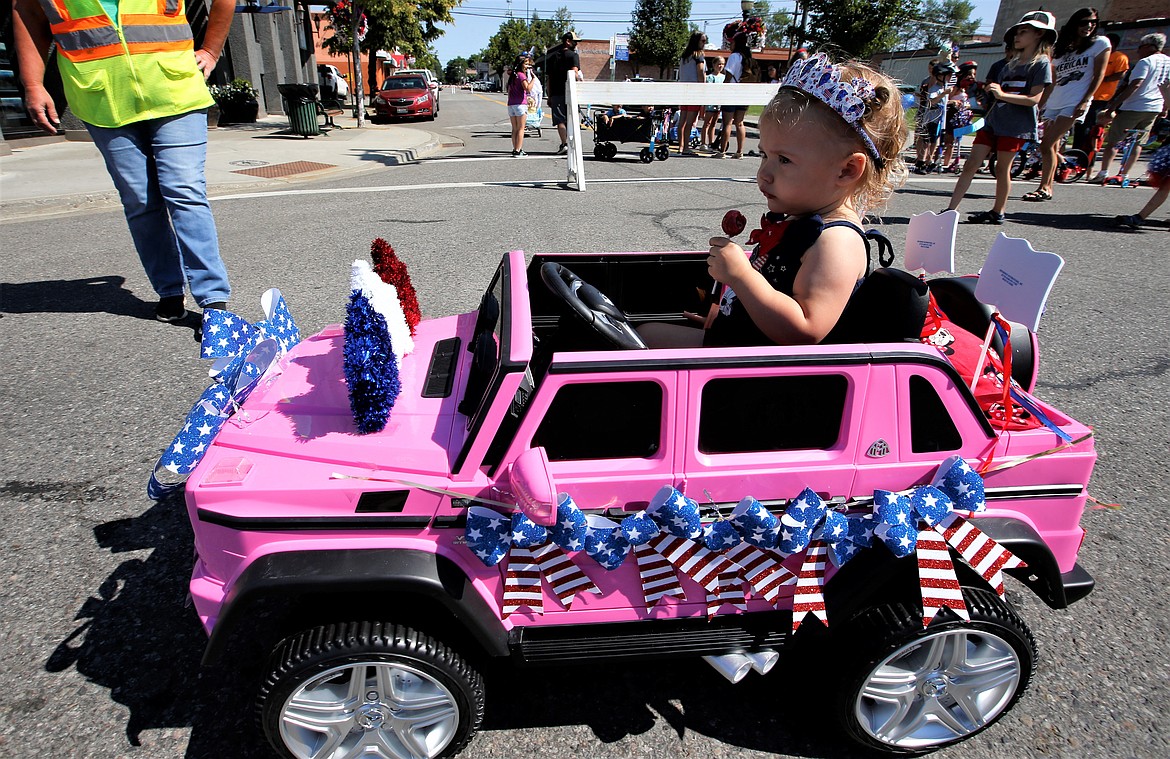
<point x="477" y="20"/>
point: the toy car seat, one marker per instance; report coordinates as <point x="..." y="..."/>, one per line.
<point x="956" y="297"/>
<point x="889" y="307"/>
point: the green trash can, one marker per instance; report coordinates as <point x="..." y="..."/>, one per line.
<point x="300" y="103"/>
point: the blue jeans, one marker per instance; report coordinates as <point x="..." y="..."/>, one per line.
<point x="158" y="167"/>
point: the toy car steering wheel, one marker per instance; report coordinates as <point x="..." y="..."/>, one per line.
<point x="592" y="306"/>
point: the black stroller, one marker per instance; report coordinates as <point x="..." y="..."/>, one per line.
<point x="649" y="127"/>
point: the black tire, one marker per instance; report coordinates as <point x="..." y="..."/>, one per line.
<point x="662" y="152"/>
<point x="1077" y="161"/>
<point x="398" y="666"/>
<point x="646" y="155"/>
<point x="610" y="151"/>
<point x="599" y="151"/>
<point x="926" y="677"/>
<point x="1018" y="162"/>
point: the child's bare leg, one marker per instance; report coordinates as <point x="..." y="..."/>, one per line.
<point x="1003" y="180"/>
<point x="1156" y="200"/>
<point x="963" y="183"/>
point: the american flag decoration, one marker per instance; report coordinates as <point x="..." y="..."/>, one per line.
<point x="693" y="559"/>
<point x="534" y="553"/>
<point x="981" y="553"/>
<point x="658" y="577"/>
<point x="938" y="585"/>
<point x="810" y="586"/>
<point x="728" y="590"/>
<point x="242" y="353"/>
<point x="762" y="571"/>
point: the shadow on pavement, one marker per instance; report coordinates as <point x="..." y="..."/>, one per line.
<point x="136" y="637"/>
<point x="74" y="296"/>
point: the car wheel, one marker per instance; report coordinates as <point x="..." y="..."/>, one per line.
<point x="371" y="689"/>
<point x="908" y="690"/>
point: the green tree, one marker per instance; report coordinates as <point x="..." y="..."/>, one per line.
<point x="858" y="28"/>
<point x="455" y="71"/>
<point x="939" y="22"/>
<point x="776" y="23"/>
<point x="516" y="36"/>
<point x="659" y="33"/>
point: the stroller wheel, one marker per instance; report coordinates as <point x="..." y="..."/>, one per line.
<point x="645" y="156"/>
<point x="599" y="151"/>
<point x="610" y="151"/>
<point x="662" y="152"/>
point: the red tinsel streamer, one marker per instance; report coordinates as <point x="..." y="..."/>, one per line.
<point x="390" y="268"/>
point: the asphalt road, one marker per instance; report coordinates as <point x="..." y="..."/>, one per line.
<point x="101" y="656"/>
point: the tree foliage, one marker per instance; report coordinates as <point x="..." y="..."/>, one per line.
<point x="939" y="22"/>
<point x="857" y="28"/>
<point x="659" y="33"/>
<point x="516" y="36"/>
<point x="778" y="23"/>
<point x="455" y="71"/>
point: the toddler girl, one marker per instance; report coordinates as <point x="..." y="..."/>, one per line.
<point x="830" y="144"/>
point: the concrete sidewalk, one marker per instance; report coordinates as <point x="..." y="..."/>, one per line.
<point x="44" y="177"/>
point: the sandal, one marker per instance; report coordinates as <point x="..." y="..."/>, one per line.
<point x="985" y="217"/>
<point x="1037" y="195"/>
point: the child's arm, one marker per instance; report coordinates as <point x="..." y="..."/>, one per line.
<point x="828" y="272"/>
<point x="1032" y="98"/>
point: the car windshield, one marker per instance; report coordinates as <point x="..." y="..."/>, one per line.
<point x="404" y="83"/>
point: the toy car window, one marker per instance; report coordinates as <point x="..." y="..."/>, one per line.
<point x="931" y="426"/>
<point x="786" y="413"/>
<point x="602" y="420"/>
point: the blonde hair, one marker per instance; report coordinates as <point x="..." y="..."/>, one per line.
<point x="884" y="121"/>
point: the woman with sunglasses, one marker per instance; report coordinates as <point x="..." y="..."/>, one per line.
<point x="1079" y="61"/>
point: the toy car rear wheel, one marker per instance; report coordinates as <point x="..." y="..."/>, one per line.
<point x="371" y="689"/>
<point x="646" y="156"/>
<point x="908" y="690"/>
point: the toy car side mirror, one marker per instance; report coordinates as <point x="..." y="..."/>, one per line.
<point x="533" y="487"/>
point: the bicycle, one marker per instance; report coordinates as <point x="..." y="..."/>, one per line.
<point x="1072" y="165"/>
<point x="1124" y="151"/>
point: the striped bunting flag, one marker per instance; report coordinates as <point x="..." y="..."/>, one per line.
<point x="729" y="591"/>
<point x="658" y="577"/>
<point x="564" y="577"/>
<point x="693" y="559"/>
<point x="936" y="578"/>
<point x="810" y="595"/>
<point x="763" y="572"/>
<point x="982" y="553"/>
<point x="522" y="582"/>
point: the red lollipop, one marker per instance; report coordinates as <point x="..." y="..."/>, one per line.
<point x="733" y="223"/>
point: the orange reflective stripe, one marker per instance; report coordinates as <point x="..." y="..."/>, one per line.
<point x="81" y="24"/>
<point x="157" y="47"/>
<point x="152" y="19"/>
<point x="91" y="54"/>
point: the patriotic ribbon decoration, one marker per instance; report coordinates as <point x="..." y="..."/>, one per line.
<point x="242" y="353"/>
<point x="925" y="522"/>
<point x="534" y="553"/>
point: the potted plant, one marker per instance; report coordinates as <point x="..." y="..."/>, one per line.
<point x="237" y="101"/>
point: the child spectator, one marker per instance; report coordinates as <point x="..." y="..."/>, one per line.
<point x="711" y="112"/>
<point x="959" y="113"/>
<point x="830" y="145"/>
<point x="519" y="85"/>
<point x="691" y="68"/>
<point x="933" y="98"/>
<point x="1159" y="169"/>
<point x="1011" y="119"/>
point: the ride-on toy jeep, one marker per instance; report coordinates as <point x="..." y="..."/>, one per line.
<point x="547" y="489"/>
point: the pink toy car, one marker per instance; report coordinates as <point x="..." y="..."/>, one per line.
<point x="547" y="489"/>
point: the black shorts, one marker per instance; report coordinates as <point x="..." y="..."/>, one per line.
<point x="556" y="104"/>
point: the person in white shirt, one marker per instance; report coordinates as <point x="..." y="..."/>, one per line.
<point x="1139" y="103"/>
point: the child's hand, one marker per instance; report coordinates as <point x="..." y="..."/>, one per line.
<point x="993" y="90"/>
<point x="727" y="262"/>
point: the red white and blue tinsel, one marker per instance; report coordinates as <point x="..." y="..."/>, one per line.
<point x="743" y="554"/>
<point x="376" y="336"/>
<point x="243" y="353"/>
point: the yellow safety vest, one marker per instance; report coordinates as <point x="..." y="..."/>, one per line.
<point x="141" y="68"/>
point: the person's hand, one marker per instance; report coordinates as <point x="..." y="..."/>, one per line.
<point x="206" y="62"/>
<point x="1082" y="109"/>
<point x="994" y="90"/>
<point x="726" y="262"/>
<point x="41" y="108"/>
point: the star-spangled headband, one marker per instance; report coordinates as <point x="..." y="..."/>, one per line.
<point x="819" y="77"/>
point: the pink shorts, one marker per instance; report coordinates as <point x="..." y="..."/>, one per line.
<point x="690" y="108"/>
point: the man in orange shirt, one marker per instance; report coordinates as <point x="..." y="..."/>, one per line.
<point x="1086" y="133"/>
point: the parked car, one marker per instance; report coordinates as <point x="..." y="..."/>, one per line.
<point x="404" y="97"/>
<point x="333" y="84"/>
<point x="359" y="563"/>
<point x="429" y="76"/>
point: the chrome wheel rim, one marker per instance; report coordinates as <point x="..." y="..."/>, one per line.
<point x="938" y="689"/>
<point x="369" y="709"/>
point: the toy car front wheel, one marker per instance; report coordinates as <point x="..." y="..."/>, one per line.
<point x="908" y="690"/>
<point x="368" y="689"/>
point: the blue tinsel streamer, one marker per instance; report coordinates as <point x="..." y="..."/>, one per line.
<point x="371" y="368"/>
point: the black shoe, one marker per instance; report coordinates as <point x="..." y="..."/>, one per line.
<point x="518" y="154"/>
<point x="1128" y="222"/>
<point x="170" y="309"/>
<point x="985" y="217"/>
<point x="562" y="149"/>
